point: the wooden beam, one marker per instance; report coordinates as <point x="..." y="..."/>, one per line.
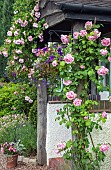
<point x="41" y="123"/>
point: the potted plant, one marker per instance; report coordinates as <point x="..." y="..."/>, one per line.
<point x="10" y="152"/>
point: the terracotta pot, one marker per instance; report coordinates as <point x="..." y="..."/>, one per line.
<point x="12" y="161"/>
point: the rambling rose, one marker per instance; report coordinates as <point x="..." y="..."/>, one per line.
<point x="77" y="102"/>
<point x="102" y="70"/>
<point x="67" y="82"/>
<point x="104" y="114"/>
<point x="85" y="117"/>
<point x="65" y="39"/>
<point x="5" y="53"/>
<point x="71" y="95"/>
<point x="82" y="67"/>
<point x="88" y="25"/>
<point x="27" y="98"/>
<point x="30" y="38"/>
<point x="35" y="25"/>
<point x="92" y="38"/>
<point x="106" y="42"/>
<point x="103" y="52"/>
<point x="61" y="145"/>
<point x="104" y="147"/>
<point x="68" y="59"/>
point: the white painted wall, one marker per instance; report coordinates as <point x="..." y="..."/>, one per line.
<point x="58" y="133"/>
<point x="55" y="133"/>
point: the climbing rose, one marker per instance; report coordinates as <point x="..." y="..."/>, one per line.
<point x="88" y="25"/>
<point x="85" y="117"/>
<point x="104" y="114"/>
<point x="102" y="70"/>
<point x="35" y="25"/>
<point x="61" y="145"/>
<point x="64" y="39"/>
<point x="67" y="82"/>
<point x="106" y="42"/>
<point x="57" y="151"/>
<point x="97" y="33"/>
<point x="21" y="60"/>
<point x="27" y="98"/>
<point x="77" y="102"/>
<point x="30" y="38"/>
<point x="68" y="59"/>
<point x="109" y="59"/>
<point x="103" y="52"/>
<point x="92" y="38"/>
<point x="82" y="67"/>
<point x="71" y="95"/>
<point x="83" y="33"/>
<point x="104" y="148"/>
<point x="36" y="8"/>
<point x="75" y="35"/>
<point x="5" y="53"/>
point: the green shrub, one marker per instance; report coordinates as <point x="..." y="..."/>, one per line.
<point x="18" y="127"/>
<point x="12" y="98"/>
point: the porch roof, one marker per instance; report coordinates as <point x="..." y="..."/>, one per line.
<point x="57" y="11"/>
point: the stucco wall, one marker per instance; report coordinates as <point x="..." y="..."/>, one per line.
<point x="55" y="133"/>
<point x="58" y="133"/>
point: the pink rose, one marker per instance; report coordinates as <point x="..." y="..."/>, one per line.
<point x="92" y="38"/>
<point x="16" y="33"/>
<point x="82" y="67"/>
<point x="103" y="52"/>
<point x="77" y="102"/>
<point x="106" y="42"/>
<point x="8" y="41"/>
<point x="97" y="33"/>
<point x="104" y="114"/>
<point x="102" y="70"/>
<point x="45" y="25"/>
<point x="35" y="25"/>
<point x="15" y="57"/>
<point x="36" y="8"/>
<point x="68" y="59"/>
<point x="67" y="82"/>
<point x="61" y="145"/>
<point x="88" y="25"/>
<point x="71" y="95"/>
<point x="27" y="98"/>
<point x="57" y="151"/>
<point x="5" y="53"/>
<point x="30" y="38"/>
<point x="85" y="117"/>
<point x="15" y="92"/>
<point x="21" y="60"/>
<point x="9" y="33"/>
<point x="18" y="51"/>
<point x="54" y="63"/>
<point x="30" y="101"/>
<point x="65" y="39"/>
<point x="104" y="148"/>
<point x="37" y="14"/>
<point x="109" y="59"/>
<point x="75" y="35"/>
<point x="83" y="33"/>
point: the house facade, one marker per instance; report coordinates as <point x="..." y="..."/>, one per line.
<point x="65" y="17"/>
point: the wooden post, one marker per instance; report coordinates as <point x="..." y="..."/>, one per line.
<point x="41" y="123"/>
<point x="76" y="27"/>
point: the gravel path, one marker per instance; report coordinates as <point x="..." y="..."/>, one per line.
<point x="23" y="166"/>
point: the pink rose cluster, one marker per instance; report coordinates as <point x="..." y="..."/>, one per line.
<point x="95" y="36"/>
<point x="27" y="98"/>
<point x="102" y="70"/>
<point x="68" y="59"/>
<point x="19" y="41"/>
<point x="65" y="39"/>
<point x="72" y="96"/>
<point x="60" y="147"/>
<point x="104" y="147"/>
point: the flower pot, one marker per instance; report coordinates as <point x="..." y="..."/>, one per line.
<point x="12" y="161"/>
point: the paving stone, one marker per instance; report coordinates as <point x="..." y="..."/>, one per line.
<point x="20" y="158"/>
<point x="26" y="160"/>
<point x="32" y="161"/>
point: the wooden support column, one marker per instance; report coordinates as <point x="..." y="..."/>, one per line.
<point x="41" y="123"/>
<point x="76" y="27"/>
